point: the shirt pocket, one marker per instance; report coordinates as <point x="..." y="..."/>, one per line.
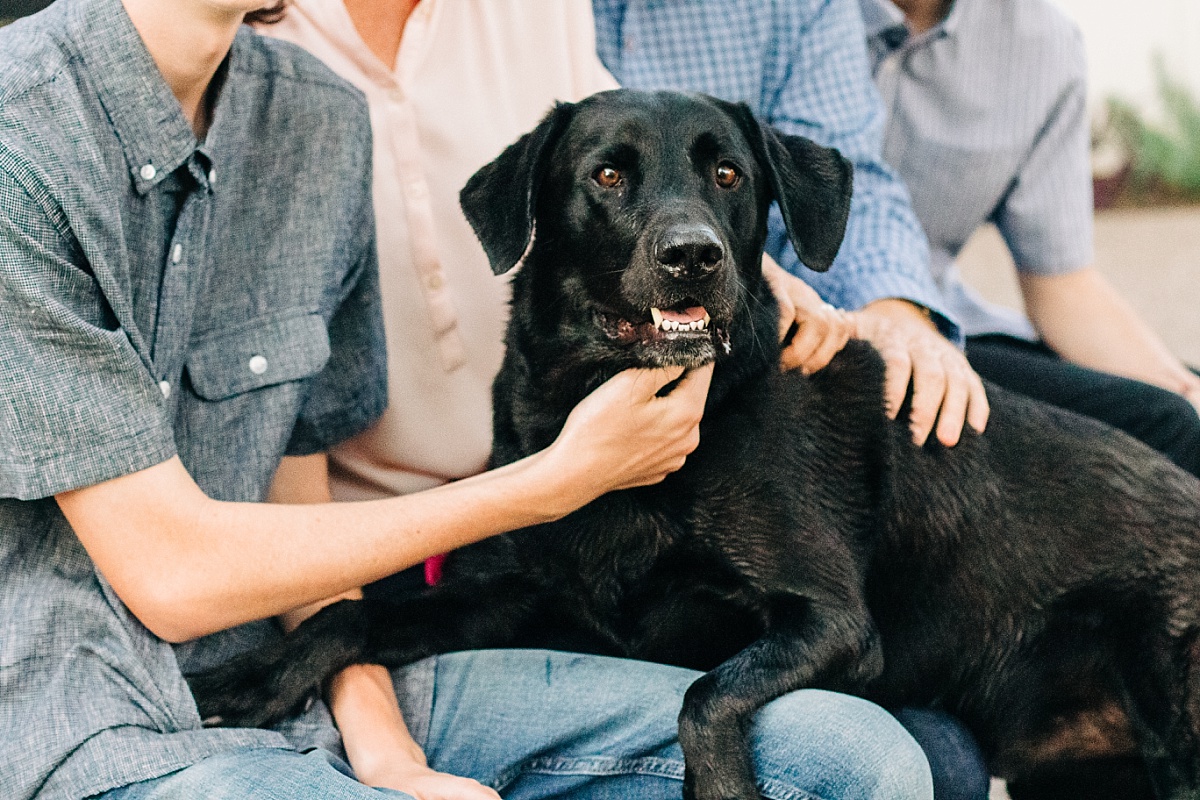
<point x="259" y="354"/>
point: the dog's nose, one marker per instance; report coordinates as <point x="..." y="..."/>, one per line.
<point x="689" y="250"/>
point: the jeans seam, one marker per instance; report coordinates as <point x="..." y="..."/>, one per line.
<point x="601" y="766"/>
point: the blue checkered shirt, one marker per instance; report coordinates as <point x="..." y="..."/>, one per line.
<point x="159" y="297"/>
<point x="987" y="122"/>
<point x="801" y="65"/>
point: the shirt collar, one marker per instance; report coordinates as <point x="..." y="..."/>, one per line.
<point x="149" y="122"/>
<point x="884" y="21"/>
<point x="880" y="16"/>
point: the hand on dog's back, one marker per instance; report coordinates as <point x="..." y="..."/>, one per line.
<point x="624" y="435"/>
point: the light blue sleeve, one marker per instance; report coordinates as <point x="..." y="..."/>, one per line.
<point x="820" y="87"/>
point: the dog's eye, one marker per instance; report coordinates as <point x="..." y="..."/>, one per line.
<point x="727" y="175"/>
<point x="607" y="177"/>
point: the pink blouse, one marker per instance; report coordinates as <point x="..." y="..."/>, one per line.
<point x="470" y="77"/>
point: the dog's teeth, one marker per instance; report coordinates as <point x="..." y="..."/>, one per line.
<point x="657" y="317"/>
<point x="707" y="319"/>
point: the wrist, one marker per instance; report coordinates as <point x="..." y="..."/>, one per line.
<point x="363" y="702"/>
<point x="896" y="310"/>
<point x="564" y="484"/>
<point x="899" y="307"/>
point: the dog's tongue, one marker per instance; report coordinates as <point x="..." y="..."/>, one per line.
<point x="687" y="315"/>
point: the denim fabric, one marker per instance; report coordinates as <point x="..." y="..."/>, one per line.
<point x="159" y="296"/>
<point x="802" y="67"/>
<point x="538" y="724"/>
<point x="258" y="774"/>
<point x="958" y="767"/>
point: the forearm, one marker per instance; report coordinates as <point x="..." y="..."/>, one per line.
<point x="1081" y="317"/>
<point x="212" y="565"/>
<point x="363" y="701"/>
<point x="186" y="565"/>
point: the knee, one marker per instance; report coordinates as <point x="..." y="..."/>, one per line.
<point x="262" y="774"/>
<point x="1170" y="424"/>
<point x="958" y="767"/>
<point x="836" y="746"/>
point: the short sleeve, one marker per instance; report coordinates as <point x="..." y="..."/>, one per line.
<point x="1046" y="216"/>
<point x="78" y="406"/>
<point x="351" y="391"/>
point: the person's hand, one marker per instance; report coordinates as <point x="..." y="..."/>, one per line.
<point x="423" y="783"/>
<point x="821" y="329"/>
<point x="946" y="391"/>
<point x="623" y="434"/>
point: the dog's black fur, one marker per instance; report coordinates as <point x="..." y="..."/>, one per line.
<point x="1039" y="580"/>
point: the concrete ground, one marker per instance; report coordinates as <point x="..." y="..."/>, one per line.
<point x="1152" y="257"/>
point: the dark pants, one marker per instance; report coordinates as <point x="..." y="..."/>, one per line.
<point x="959" y="772"/>
<point x="1162" y="419"/>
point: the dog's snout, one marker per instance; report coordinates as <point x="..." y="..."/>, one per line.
<point x="689" y="251"/>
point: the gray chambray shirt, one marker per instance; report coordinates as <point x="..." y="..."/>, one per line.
<point x="158" y="296"/>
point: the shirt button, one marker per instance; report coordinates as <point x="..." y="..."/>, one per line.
<point x="177" y="254"/>
<point x="257" y="365"/>
<point x="148" y="172"/>
<point x="435" y="281"/>
<point x="165" y="388"/>
<point x="212" y="175"/>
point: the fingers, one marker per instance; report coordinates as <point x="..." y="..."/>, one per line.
<point x="787" y="314"/>
<point x="953" y="414"/>
<point x="898" y="370"/>
<point x="979" y="411"/>
<point x="834" y="340"/>
<point x="821" y="329"/>
<point x="821" y="333"/>
<point x="647" y="383"/>
<point x="929" y="390"/>
<point x="696" y="382"/>
<point x="947" y="394"/>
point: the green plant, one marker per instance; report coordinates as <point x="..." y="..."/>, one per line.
<point x="1165" y="157"/>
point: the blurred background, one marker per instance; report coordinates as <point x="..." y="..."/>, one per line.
<point x="1144" y="71"/>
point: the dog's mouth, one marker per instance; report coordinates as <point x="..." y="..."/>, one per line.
<point x="687" y="327"/>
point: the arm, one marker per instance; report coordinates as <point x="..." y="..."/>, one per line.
<point x="187" y="565"/>
<point x="362" y="698"/>
<point x="1083" y="319"/>
<point x="825" y="92"/>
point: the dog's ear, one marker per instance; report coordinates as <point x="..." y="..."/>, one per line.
<point x="813" y="185"/>
<point x="499" y="200"/>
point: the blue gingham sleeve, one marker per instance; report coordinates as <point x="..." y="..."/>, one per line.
<point x="77" y="404"/>
<point x="820" y="87"/>
<point x="1046" y="216"/>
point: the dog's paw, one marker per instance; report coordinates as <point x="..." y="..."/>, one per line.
<point x="250" y="692"/>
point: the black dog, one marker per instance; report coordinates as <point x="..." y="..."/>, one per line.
<point x="1039" y="581"/>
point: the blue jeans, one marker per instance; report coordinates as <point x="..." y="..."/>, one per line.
<point x="539" y="724"/>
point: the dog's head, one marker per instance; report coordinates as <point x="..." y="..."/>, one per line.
<point x="649" y="212"/>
